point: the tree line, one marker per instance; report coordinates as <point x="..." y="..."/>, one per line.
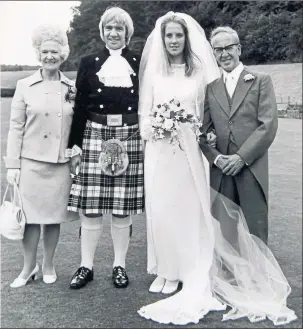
<point x="16" y="67"/>
<point x="269" y="31"/>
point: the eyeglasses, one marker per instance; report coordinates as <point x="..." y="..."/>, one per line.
<point x="219" y="50"/>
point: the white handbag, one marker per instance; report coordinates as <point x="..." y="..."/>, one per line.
<point x="12" y="217"/>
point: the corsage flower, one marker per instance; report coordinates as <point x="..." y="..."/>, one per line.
<point x="70" y="94"/>
<point x="248" y="77"/>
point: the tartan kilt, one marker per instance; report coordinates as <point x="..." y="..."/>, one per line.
<point x="93" y="192"/>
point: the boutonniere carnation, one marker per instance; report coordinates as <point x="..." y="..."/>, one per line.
<point x="248" y="77"/>
<point x="70" y="94"/>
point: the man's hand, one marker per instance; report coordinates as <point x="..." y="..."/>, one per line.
<point x="222" y="161"/>
<point x="74" y="164"/>
<point x="233" y="165"/>
<point x="212" y="139"/>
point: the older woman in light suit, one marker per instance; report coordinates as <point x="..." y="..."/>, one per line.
<point x="41" y="116"/>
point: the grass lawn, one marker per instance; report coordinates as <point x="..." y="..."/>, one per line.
<point x="100" y="305"/>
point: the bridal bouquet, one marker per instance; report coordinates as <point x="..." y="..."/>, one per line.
<point x="166" y="119"/>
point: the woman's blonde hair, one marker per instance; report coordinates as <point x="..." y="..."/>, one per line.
<point x="188" y="53"/>
<point x="48" y="32"/>
<point x="118" y="15"/>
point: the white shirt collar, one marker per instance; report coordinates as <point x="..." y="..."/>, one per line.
<point x="235" y="73"/>
<point x="116" y="52"/>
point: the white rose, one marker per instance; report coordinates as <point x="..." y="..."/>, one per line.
<point x="161" y="110"/>
<point x="166" y="114"/>
<point x="168" y="124"/>
<point x="158" y="119"/>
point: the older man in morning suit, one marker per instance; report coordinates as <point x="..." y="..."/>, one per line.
<point x="241" y="107"/>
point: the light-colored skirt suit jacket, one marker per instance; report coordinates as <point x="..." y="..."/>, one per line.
<point x="39" y="129"/>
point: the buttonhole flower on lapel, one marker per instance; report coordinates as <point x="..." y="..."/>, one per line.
<point x="248" y="77"/>
<point x="70" y="94"/>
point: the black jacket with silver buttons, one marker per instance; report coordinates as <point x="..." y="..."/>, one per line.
<point x="93" y="96"/>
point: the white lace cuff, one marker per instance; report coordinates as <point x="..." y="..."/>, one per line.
<point x="75" y="150"/>
<point x="146" y="128"/>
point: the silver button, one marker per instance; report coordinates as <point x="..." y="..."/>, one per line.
<point x="101" y="106"/>
<point x="134" y="74"/>
<point x="132" y="91"/>
<point x="230" y="122"/>
<point x="59" y="114"/>
<point x="99" y="90"/>
<point x="124" y="125"/>
<point x="129" y="108"/>
<point x="134" y="58"/>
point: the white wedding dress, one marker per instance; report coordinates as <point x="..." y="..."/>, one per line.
<point x="184" y="241"/>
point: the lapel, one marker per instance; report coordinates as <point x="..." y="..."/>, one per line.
<point x="37" y="77"/>
<point x="220" y="94"/>
<point x="241" y="90"/>
<point x="66" y="80"/>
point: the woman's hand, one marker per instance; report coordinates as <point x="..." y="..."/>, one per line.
<point x="75" y="164"/>
<point x="13" y="175"/>
<point x="146" y="128"/>
<point x="212" y="138"/>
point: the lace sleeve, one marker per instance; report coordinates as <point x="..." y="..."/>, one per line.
<point x="146" y="100"/>
<point x="200" y="96"/>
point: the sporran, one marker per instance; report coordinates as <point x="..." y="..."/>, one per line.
<point x="113" y="158"/>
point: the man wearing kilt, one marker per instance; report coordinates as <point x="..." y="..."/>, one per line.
<point x="105" y="146"/>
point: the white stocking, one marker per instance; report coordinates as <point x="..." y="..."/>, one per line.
<point x="91" y="230"/>
<point x="120" y="228"/>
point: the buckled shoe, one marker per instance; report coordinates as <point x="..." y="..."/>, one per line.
<point x="119" y="277"/>
<point x="82" y="276"/>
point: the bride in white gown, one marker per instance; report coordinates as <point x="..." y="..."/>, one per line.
<point x="185" y="243"/>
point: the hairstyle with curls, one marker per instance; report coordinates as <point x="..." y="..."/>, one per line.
<point x="189" y="55"/>
<point x="120" y="16"/>
<point x="224" y="29"/>
<point x="48" y="32"/>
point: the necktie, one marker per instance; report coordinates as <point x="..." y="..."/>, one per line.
<point x="229" y="85"/>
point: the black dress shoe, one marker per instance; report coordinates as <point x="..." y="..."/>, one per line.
<point x="120" y="278"/>
<point x="82" y="276"/>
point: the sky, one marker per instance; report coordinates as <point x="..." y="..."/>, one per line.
<point x="17" y="21"/>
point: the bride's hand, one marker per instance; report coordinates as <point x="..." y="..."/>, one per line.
<point x="212" y="139"/>
<point x="146" y="128"/>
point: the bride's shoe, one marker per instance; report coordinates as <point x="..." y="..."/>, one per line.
<point x="20" y="282"/>
<point x="157" y="284"/>
<point x="49" y="278"/>
<point x="170" y="287"/>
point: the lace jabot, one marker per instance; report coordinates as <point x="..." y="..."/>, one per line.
<point x="116" y="71"/>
